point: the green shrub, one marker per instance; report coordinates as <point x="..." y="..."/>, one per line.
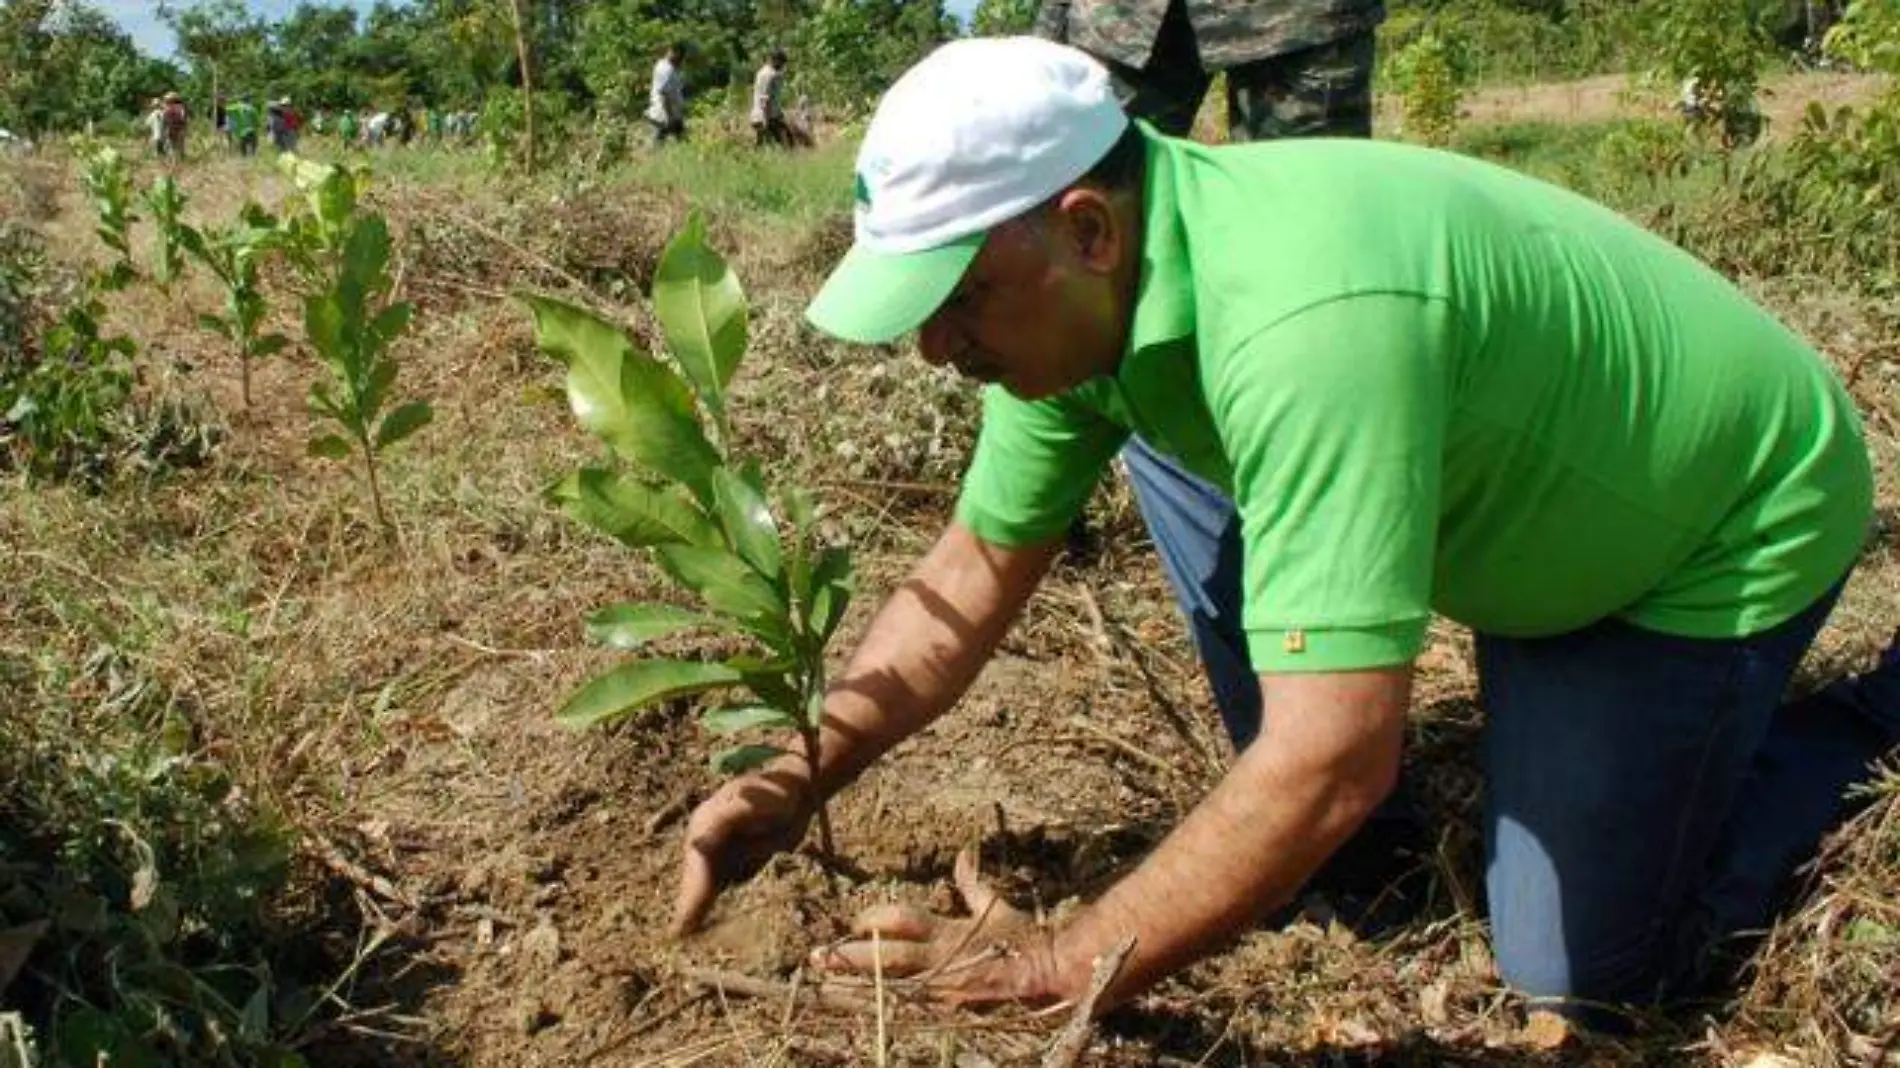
<point x="61" y="399"/>
<point x="140" y="880"/>
<point x="1429" y="74"/>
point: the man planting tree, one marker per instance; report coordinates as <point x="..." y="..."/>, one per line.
<point x="1427" y="384"/>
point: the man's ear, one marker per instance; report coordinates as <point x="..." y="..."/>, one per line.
<point x="1092" y="228"/>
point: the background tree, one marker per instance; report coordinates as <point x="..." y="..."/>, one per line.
<point x="228" y="48"/>
<point x="66" y="64"/>
<point x="1003" y="18"/>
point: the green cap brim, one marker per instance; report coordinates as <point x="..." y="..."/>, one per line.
<point x="874" y="297"/>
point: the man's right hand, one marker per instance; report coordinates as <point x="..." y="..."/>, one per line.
<point x="734" y="832"/>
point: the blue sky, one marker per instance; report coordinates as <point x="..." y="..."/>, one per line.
<point x="140" y="17"/>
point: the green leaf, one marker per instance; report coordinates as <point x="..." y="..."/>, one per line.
<point x="393" y="320"/>
<point x="735" y="718"/>
<point x="254" y="1022"/>
<point x="628" y="399"/>
<point x="749" y="527"/>
<point x="323" y="322"/>
<point x="832" y="587"/>
<point x="366" y="256"/>
<point x="403" y="422"/>
<point x="629" y="626"/>
<point x="375" y="389"/>
<point x="799" y="510"/>
<point x="632" y="512"/>
<point x="330" y="447"/>
<point x="743" y="758"/>
<point x="702" y="309"/>
<point x="210" y="322"/>
<point x="634" y="686"/>
<point x="268" y="345"/>
<point x="729" y="586"/>
<point x="771" y="680"/>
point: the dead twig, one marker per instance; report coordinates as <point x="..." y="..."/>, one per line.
<point x="641" y="1027"/>
<point x="359" y="876"/>
<point x="1066" y="1052"/>
<point x="1126" y="748"/>
<point x="747" y="987"/>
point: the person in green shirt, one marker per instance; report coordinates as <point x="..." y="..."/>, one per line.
<point x="1429" y="386"/>
<point x="241" y="117"/>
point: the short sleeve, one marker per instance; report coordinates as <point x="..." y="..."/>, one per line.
<point x="1035" y="464"/>
<point x="1334" y="422"/>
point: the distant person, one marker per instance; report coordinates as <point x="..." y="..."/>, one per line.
<point x="177" y="123"/>
<point x="666" y="107"/>
<point x="347" y="128"/>
<point x="377" y="128"/>
<point x="768" y="114"/>
<point x="241" y="126"/>
<point x="434" y="119"/>
<point x="155" y="126"/>
<point x="286" y="125"/>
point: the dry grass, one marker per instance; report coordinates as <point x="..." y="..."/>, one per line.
<point x="394" y="698"/>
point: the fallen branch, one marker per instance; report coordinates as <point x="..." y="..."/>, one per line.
<point x="766" y="989"/>
<point x="1068" y="1047"/>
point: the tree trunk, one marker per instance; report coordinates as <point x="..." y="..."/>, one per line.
<point x="527" y="81"/>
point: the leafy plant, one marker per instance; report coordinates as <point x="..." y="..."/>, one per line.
<point x="1430" y="75"/>
<point x="1714" y="48"/>
<point x="59" y="406"/>
<point x="314" y="237"/>
<point x="704" y="515"/>
<point x="166" y="202"/>
<point x="351" y="321"/>
<point x="108" y="180"/>
<point x="143" y="877"/>
<point x="232" y="255"/>
<point x="22" y="259"/>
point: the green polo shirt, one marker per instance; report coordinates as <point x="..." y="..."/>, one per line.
<point x="241" y="117"/>
<point x="1434" y="384"/>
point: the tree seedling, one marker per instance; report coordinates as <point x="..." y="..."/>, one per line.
<point x="231" y="254"/>
<point x="704" y="515"/>
<point x="108" y="180"/>
<point x="166" y="202"/>
<point x="351" y="320"/>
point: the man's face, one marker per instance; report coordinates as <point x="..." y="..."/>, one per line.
<point x="1041" y="309"/>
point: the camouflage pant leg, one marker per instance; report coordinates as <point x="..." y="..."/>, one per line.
<point x="1168" y="91"/>
<point x="1324" y="91"/>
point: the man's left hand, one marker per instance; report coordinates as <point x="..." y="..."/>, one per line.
<point x="998" y="955"/>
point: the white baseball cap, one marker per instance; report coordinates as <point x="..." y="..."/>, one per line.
<point x="977" y="133"/>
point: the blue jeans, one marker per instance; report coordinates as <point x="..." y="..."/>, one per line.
<point x="1647" y="795"/>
